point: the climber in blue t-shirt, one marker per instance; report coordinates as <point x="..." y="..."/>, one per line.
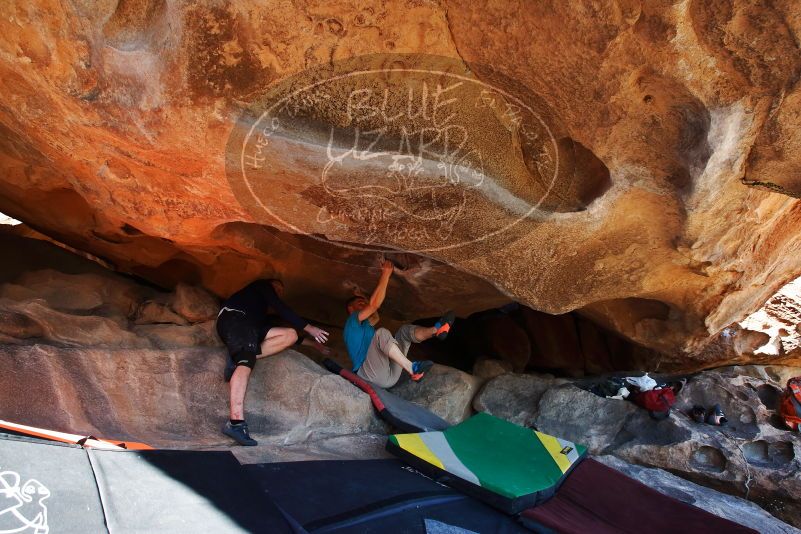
<point x="377" y="355"/>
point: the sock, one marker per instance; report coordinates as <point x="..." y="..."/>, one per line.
<point x="237" y="421"/>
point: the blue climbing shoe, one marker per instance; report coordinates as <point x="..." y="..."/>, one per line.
<point x="419" y="369"/>
<point x="444" y="325"/>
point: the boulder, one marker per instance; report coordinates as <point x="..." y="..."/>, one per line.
<point x="172" y="336"/>
<point x="194" y="303"/>
<point x="291" y="394"/>
<point x="173" y="398"/>
<point x="101" y="294"/>
<point x="154" y="312"/>
<point x="8" y="340"/>
<point x="752" y="456"/>
<point x="34" y="319"/>
<point x="578" y="415"/>
<point x="73" y="299"/>
<point x="18" y="325"/>
<point x="514" y="397"/>
<point x="444" y="390"/>
<point x="177" y="397"/>
<point x="487" y="369"/>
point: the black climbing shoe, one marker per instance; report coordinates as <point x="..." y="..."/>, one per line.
<point x="239" y="433"/>
<point x="444" y="325"/>
<point x="716" y="416"/>
<point x="230" y="367"/>
<point x="698" y="414"/>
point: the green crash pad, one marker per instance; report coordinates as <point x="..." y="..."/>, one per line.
<point x="508" y="466"/>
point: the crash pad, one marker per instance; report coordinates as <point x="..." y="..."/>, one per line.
<point x="505" y="465"/>
<point x="47" y="487"/>
<point x="373" y="496"/>
<point x="55" y="487"/>
<point x="181" y="491"/>
<point x="404" y="415"/>
<point x="596" y="498"/>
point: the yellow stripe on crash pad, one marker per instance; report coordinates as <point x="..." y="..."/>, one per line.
<point x="554" y="448"/>
<point x="415" y="445"/>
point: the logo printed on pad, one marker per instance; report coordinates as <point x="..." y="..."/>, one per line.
<point x="566" y="450"/>
<point x="23" y="508"/>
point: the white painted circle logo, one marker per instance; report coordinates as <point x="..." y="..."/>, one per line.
<point x="412" y="153"/>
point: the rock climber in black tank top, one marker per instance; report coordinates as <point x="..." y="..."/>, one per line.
<point x="249" y="324"/>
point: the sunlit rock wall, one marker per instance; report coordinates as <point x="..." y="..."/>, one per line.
<point x="619" y="185"/>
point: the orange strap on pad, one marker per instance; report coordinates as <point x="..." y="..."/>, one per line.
<point x="74" y="439"/>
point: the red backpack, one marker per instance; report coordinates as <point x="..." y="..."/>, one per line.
<point x="656" y="401"/>
<point x="790" y="407"/>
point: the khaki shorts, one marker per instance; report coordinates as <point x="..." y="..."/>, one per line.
<point x="378" y="368"/>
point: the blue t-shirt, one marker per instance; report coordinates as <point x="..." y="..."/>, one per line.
<point x="358" y="336"/>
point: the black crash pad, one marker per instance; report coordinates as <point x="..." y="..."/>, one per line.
<point x="404" y="415"/>
<point x="373" y="496"/>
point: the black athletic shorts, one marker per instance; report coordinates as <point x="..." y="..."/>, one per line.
<point x="243" y="335"/>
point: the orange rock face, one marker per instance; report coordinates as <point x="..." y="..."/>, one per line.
<point x="594" y="158"/>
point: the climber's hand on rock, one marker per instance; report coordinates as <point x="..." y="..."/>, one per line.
<point x="319" y="335"/>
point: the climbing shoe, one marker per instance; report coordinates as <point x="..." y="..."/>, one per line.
<point x="422" y="366"/>
<point x="419" y="369"/>
<point x="716" y="416"/>
<point x="230" y="367"/>
<point x="239" y="433"/>
<point x="444" y="325"/>
<point x="698" y="414"/>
